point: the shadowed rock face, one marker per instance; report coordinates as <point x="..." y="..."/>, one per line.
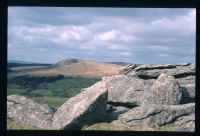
<point x="165" y="90"/>
<point x="26" y="111"/>
<point x="155" y="115"/>
<point x="188" y="92"/>
<point x="85" y="108"/>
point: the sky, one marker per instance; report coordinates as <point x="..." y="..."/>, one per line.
<point x="135" y="35"/>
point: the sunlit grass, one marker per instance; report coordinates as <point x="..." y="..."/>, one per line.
<point x="11" y="125"/>
<point x="105" y="126"/>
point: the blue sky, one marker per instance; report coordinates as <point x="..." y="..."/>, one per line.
<point x="135" y="35"/>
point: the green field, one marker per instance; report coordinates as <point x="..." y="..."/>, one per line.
<point x="52" y="93"/>
<point x="105" y="127"/>
<point x="15" y="126"/>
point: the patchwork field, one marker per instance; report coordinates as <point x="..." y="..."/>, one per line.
<point x="53" y="93"/>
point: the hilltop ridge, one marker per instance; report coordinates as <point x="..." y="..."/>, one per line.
<point x="70" y="67"/>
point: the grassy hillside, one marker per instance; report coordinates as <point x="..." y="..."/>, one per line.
<point x="70" y="67"/>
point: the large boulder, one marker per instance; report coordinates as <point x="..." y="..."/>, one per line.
<point x="126" y="91"/>
<point x="155" y="115"/>
<point x="165" y="90"/>
<point x="83" y="109"/>
<point x="26" y="111"/>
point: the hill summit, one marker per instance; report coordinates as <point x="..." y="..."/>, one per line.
<point x="72" y="67"/>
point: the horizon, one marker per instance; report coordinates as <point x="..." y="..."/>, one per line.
<point x="133" y="35"/>
<point x="18" y="61"/>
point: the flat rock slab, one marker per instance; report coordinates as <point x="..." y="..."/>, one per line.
<point x="127" y="90"/>
<point x="155" y="115"/>
<point x="82" y="109"/>
<point x="186" y="80"/>
<point x="165" y="90"/>
<point x="154" y="66"/>
<point x="26" y="111"/>
<point x="154" y="71"/>
<point x="182" y="124"/>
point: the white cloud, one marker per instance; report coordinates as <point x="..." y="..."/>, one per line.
<point x="73" y="33"/>
<point x="107" y="36"/>
<point x="70" y="36"/>
<point x="113" y="34"/>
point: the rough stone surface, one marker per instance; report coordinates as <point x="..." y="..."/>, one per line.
<point x="182" y="124"/>
<point x="82" y="109"/>
<point x="155" y="72"/>
<point x="186" y="80"/>
<point x="127" y="69"/>
<point x="154" y="66"/>
<point x="155" y="115"/>
<point x="25" y="111"/>
<point x="165" y="90"/>
<point x="130" y="91"/>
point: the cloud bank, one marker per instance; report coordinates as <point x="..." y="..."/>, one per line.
<point x="134" y="35"/>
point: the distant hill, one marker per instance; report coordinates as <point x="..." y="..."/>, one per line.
<point x="71" y="67"/>
<point x="23" y="62"/>
<point x="18" y="63"/>
<point x="10" y="65"/>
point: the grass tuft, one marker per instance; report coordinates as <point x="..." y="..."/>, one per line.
<point x="105" y="126"/>
<point x="11" y="125"/>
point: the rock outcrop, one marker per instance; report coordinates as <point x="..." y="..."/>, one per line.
<point x="25" y="111"/>
<point x="165" y="90"/>
<point x="150" y="97"/>
<point x="154" y="71"/>
<point x="182" y="124"/>
<point x="155" y="115"/>
<point x="127" y="69"/>
<point x="164" y="98"/>
<point x="126" y="91"/>
<point x="85" y="108"/>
